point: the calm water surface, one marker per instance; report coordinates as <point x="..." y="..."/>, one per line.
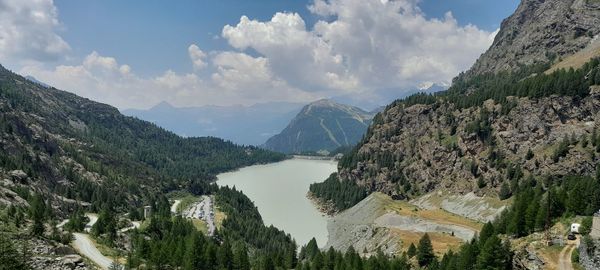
<point x="279" y="191"/>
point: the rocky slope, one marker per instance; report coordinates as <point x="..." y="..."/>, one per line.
<point x="381" y="223"/>
<point x="422" y="148"/>
<point x="321" y="126"/>
<point x="459" y="142"/>
<point x="541" y="31"/>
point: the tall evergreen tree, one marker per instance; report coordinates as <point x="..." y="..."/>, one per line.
<point x="10" y="256"/>
<point x="425" y="251"/>
<point x="38" y="214"/>
<point x="493" y="255"/>
<point x="412" y="250"/>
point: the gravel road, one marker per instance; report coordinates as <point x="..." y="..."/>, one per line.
<point x="86" y="247"/>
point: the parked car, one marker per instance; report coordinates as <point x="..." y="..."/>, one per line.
<point x="571" y="237"/>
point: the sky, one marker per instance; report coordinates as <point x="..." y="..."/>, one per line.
<point x="135" y="54"/>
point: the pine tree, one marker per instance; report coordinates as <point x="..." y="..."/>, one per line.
<point x="468" y="255"/>
<point x="412" y="250"/>
<point x="425" y="251"/>
<point x="529" y="154"/>
<point x="504" y="191"/>
<point x="486" y="232"/>
<point x="493" y="255"/>
<point x="10" y="257"/>
<point x="38" y="214"/>
<point x="312" y="248"/>
<point x="240" y="257"/>
<point x="193" y="256"/>
<point x="225" y="256"/>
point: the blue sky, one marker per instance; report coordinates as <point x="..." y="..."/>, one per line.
<point x="134" y="54"/>
<point x="134" y="31"/>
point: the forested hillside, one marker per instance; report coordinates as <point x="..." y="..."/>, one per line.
<point x="62" y="155"/>
<point x="79" y="149"/>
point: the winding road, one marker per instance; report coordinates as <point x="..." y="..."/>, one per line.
<point x="84" y="245"/>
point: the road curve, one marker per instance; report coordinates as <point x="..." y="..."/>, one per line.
<point x="86" y="247"/>
<point x="93" y="218"/>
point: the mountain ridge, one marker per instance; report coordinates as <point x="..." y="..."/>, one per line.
<point x="540" y="31"/>
<point x="321" y="126"/>
<point x="247" y="125"/>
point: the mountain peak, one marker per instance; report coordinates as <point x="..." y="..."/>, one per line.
<point x="162" y="105"/>
<point x="540" y="32"/>
<point x="322" y="126"/>
<point x="323" y="103"/>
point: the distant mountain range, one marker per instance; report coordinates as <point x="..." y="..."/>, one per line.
<point x="321" y="126"/>
<point x="249" y="125"/>
<point x="264" y="123"/>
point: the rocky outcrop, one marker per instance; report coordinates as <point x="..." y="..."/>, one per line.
<point x="422" y="148"/>
<point x="589" y="256"/>
<point x="541" y="31"/>
<point x="527" y="259"/>
<point x="53" y="256"/>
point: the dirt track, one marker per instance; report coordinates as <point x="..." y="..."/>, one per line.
<point x="564" y="259"/>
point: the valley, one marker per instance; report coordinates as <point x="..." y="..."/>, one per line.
<point x="259" y="167"/>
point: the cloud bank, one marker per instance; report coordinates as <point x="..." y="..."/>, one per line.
<point x="28" y="31"/>
<point x="363" y="49"/>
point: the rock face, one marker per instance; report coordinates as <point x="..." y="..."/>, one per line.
<point x="321" y="126"/>
<point x="431" y="148"/>
<point x="589" y="257"/>
<point x="540" y="31"/>
<point x="53" y="256"/>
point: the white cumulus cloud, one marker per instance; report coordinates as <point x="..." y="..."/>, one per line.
<point x="197" y="56"/>
<point x="238" y="79"/>
<point x="362" y="46"/>
<point x="28" y="31"/>
<point x="360" y="51"/>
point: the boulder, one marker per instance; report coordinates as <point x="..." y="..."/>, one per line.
<point x="18" y="175"/>
<point x="71" y="261"/>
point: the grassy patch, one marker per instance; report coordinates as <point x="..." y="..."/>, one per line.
<point x="178" y="194"/>
<point x="220" y="216"/>
<point x="441" y="242"/>
<point x="200" y="225"/>
<point x="550" y="255"/>
<point x="437" y="215"/>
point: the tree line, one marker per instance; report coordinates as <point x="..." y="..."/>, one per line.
<point x="342" y="194"/>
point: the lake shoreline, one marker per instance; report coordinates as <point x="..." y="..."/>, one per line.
<point x="279" y="191"/>
<point x="325" y="207"/>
